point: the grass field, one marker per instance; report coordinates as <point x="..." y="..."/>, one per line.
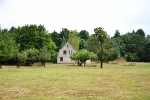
<point x="67" y="82"/>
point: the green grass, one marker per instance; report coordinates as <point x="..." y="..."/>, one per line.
<point x="67" y="82"/>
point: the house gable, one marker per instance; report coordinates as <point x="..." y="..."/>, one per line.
<point x="64" y="53"/>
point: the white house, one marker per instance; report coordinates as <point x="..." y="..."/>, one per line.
<point x="63" y="56"/>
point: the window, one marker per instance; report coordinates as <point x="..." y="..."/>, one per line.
<point x="64" y="52"/>
<point x="61" y="58"/>
<point x="70" y="52"/>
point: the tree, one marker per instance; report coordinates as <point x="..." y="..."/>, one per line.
<point x="74" y="39"/>
<point x="134" y="43"/>
<point x="111" y="50"/>
<point x="82" y="55"/>
<point x="140" y="32"/>
<point x="84" y="34"/>
<point x="12" y="29"/>
<point x="32" y="55"/>
<point x="64" y="34"/>
<point x="21" y="58"/>
<point x="117" y="34"/>
<point x="57" y="39"/>
<point x="44" y="55"/>
<point x="121" y="45"/>
<point x="147" y="51"/>
<point x="101" y="36"/>
<point x="83" y="44"/>
<point x="51" y="47"/>
<point x="93" y="45"/>
<point x="7" y="46"/>
<point x="32" y="36"/>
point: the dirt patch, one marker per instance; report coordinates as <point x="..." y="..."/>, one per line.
<point x="37" y="64"/>
<point x="14" y="94"/>
<point x="119" y="60"/>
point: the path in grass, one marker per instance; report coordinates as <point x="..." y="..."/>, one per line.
<point x="59" y="81"/>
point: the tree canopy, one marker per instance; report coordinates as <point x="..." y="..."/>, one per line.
<point x="82" y="55"/>
<point x="17" y="43"/>
<point x="74" y="39"/>
<point x="30" y="43"/>
<point x="134" y="43"/>
<point x="7" y="46"/>
<point x="101" y="36"/>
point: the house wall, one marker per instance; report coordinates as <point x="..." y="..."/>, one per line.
<point x="65" y="56"/>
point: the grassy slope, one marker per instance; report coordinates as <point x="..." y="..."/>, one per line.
<point x="58" y="81"/>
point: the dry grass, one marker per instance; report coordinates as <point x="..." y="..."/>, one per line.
<point x="67" y="82"/>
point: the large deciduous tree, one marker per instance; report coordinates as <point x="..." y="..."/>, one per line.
<point x="34" y="37"/>
<point x="7" y="46"/>
<point x="101" y="36"/>
<point x="110" y="50"/>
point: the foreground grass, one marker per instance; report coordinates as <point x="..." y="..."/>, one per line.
<point x="67" y="82"/>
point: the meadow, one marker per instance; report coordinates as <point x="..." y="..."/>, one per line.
<point x="71" y="82"/>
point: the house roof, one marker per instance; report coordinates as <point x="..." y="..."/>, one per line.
<point x="67" y="43"/>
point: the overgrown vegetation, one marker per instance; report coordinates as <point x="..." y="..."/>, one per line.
<point x="32" y="43"/>
<point x="136" y="43"/>
<point x="25" y="45"/>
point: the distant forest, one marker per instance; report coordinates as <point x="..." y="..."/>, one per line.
<point x="31" y="43"/>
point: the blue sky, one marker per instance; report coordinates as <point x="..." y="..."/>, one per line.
<point x="122" y="15"/>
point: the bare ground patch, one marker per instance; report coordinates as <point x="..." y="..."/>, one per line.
<point x="13" y="94"/>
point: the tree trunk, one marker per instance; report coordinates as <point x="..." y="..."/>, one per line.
<point x="44" y="63"/>
<point x="18" y="65"/>
<point x="101" y="58"/>
<point x="84" y="63"/>
<point x="0" y="66"/>
<point x="101" y="64"/>
<point x="79" y="63"/>
<point x="29" y="63"/>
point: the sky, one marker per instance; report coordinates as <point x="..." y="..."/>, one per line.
<point x="122" y="15"/>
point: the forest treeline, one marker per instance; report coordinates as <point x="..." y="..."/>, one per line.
<point x="31" y="43"/>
